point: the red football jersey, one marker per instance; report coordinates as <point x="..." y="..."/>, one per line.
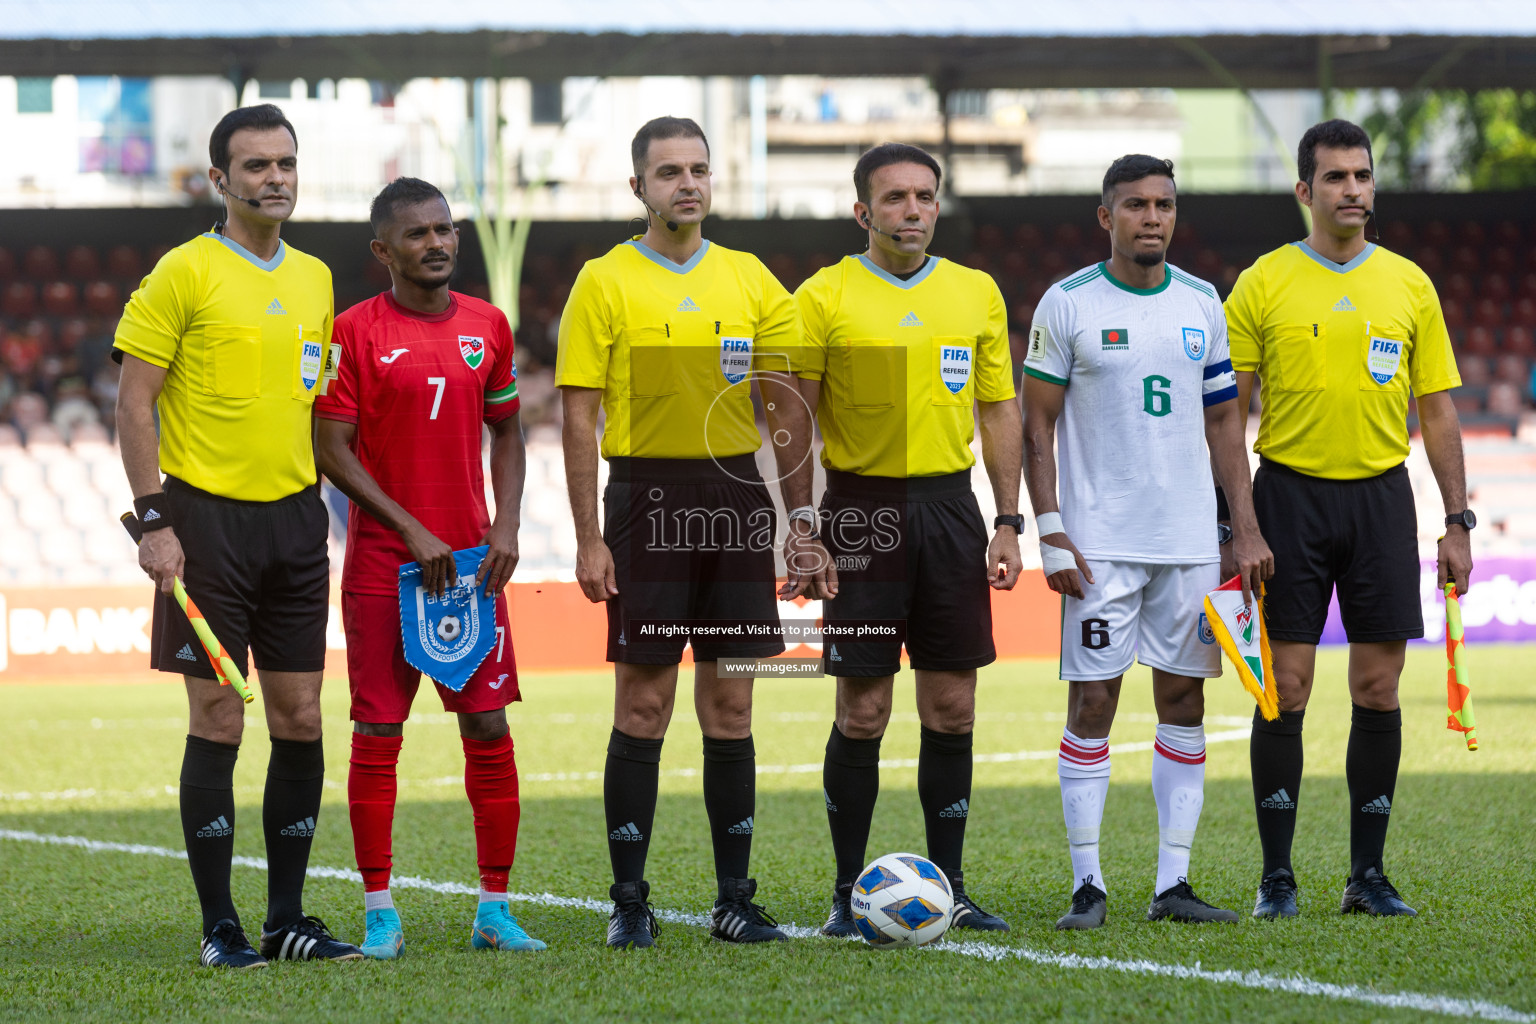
<point x="418" y="387"/>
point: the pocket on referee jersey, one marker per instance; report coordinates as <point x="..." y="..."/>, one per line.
<point x="653" y="365"/>
<point x="1299" y="356"/>
<point x="876" y="372"/>
<point x="232" y="361"/>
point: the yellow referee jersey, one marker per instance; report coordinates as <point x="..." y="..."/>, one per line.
<point x="673" y="347"/>
<point x="244" y="341"/>
<point x="1337" y="349"/>
<point x="901" y="364"/>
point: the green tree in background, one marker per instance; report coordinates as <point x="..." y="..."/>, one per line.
<point x="1500" y="131"/>
<point x="1495" y="130"/>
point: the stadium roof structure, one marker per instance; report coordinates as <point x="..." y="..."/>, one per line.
<point x="959" y="44"/>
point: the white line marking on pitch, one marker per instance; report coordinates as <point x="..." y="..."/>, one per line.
<point x="90" y="793"/>
<point x="1450" y="1006"/>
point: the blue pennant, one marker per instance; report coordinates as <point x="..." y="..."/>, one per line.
<point x="447" y="637"/>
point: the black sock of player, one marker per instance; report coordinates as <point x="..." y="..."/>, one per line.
<point x="850" y="779"/>
<point x="1274" y="756"/>
<point x="944" y="789"/>
<point x="730" y="797"/>
<point x="289" y="807"/>
<point x="629" y="802"/>
<point x="1370" y="767"/>
<point x="208" y="824"/>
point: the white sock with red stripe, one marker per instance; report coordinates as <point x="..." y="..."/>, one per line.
<point x="1083" y="768"/>
<point x="1178" y="783"/>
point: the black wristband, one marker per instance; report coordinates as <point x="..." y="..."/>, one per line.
<point x="152" y="512"/>
<point x="1223" y="513"/>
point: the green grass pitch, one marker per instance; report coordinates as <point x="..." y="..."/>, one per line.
<point x="111" y="935"/>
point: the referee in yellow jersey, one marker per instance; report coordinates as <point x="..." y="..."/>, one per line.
<point x="665" y="334"/>
<point x="1339" y="333"/>
<point x="902" y="352"/>
<point x="226" y="337"/>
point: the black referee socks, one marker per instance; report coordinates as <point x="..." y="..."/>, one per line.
<point x="944" y="788"/>
<point x="629" y="802"/>
<point x="730" y="797"/>
<point x="850" y="779"/>
<point x="208" y="823"/>
<point x="1370" y="767"/>
<point x="290" y="805"/>
<point x="1274" y="756"/>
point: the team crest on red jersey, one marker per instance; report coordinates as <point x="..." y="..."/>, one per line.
<point x="472" y="349"/>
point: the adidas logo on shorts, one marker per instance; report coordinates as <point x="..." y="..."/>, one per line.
<point x="216" y="829"/>
<point x="828" y="798"/>
<point x="832" y="654"/>
<point x="958" y="809"/>
<point x="1381" y="805"/>
<point x="626" y="834"/>
<point x="300" y="829"/>
<point x="741" y="828"/>
<point x="186" y="654"/>
<point x="1279" y="800"/>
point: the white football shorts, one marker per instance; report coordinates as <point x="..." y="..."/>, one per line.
<point x="1140" y="611"/>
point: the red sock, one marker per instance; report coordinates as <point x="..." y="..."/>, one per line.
<point x="371" y="802"/>
<point x="490" y="779"/>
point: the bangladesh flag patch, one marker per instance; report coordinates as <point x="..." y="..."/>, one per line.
<point x="1115" y="337"/>
<point x="472" y="349"/>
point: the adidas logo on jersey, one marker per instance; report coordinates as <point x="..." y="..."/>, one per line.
<point x="910" y="320"/>
<point x="958" y="809"/>
<point x="1279" y="800"/>
<point x="216" y="829"/>
<point x="276" y="309"/>
<point x="186" y="654"/>
<point x="687" y="306"/>
<point x="626" y="834"/>
<point x="300" y="829"/>
<point x="741" y="828"/>
<point x="1343" y="306"/>
<point x="1381" y="805"/>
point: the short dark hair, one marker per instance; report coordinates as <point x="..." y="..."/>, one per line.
<point x="260" y="118"/>
<point x="1335" y="134"/>
<point x="1134" y="167"/>
<point x="658" y="128"/>
<point x="398" y="193"/>
<point x="886" y="154"/>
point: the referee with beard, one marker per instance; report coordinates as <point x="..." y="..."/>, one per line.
<point x="1339" y="333"/>
<point x="226" y="339"/>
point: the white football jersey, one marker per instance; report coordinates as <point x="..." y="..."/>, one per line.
<point x="1140" y="367"/>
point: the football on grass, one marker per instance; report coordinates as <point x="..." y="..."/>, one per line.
<point x="901" y="900"/>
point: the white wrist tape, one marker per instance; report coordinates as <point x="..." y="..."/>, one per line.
<point x="806" y="512"/>
<point x="1054" y="559"/>
<point x="1049" y="523"/>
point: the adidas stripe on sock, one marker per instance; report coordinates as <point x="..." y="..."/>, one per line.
<point x="1082" y="767"/>
<point x="1178" y="784"/>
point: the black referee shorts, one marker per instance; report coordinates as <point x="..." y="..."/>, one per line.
<point x="1358" y="535"/>
<point x="259" y="573"/>
<point x="908" y="550"/>
<point x="692" y="542"/>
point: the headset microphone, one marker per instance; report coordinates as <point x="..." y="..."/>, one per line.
<point x="254" y="203"/>
<point x="671" y="224"/>
<point x="888" y="234"/>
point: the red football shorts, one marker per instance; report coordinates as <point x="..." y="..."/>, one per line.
<point x="384" y="685"/>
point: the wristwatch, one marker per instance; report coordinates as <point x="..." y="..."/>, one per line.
<point x="1223" y="533"/>
<point x="1015" y="521"/>
<point x="1464" y="518"/>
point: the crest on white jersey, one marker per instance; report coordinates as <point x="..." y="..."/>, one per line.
<point x="735" y="358"/>
<point x="1383" y="358"/>
<point x="1194" y="343"/>
<point x="954" y="367"/>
